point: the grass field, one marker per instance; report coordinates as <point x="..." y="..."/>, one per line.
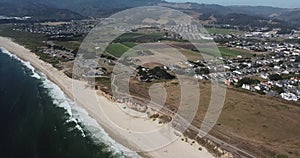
<point x="233" y="52"/>
<point x="129" y="44"/>
<point x="225" y="52"/>
<point x="124" y="43"/>
<point x="128" y="37"/>
<point x="117" y="49"/>
<point x="155" y="35"/>
<point x="71" y="45"/>
<point x="191" y="55"/>
<point x="135" y="37"/>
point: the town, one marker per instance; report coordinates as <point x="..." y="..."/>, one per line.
<point x="272" y="69"/>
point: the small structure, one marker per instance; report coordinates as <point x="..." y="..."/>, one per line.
<point x="289" y="96"/>
<point x="246" y="86"/>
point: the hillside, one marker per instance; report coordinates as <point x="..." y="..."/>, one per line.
<point x="55" y="10"/>
<point x="95" y="8"/>
<point x="37" y="11"/>
<point x="242" y="15"/>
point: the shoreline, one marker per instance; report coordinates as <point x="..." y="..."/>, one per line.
<point x="85" y="98"/>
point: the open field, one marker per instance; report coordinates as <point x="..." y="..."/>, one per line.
<point x="190" y="55"/>
<point x="210" y="49"/>
<point x="129" y="36"/>
<point x="129" y="40"/>
<point x="129" y="44"/>
<point x="117" y="49"/>
<point x="139" y="37"/>
<point x="229" y="52"/>
<point x="225" y="52"/>
<point x="71" y="45"/>
<point x="264" y="126"/>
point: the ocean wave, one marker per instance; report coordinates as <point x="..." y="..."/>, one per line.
<point x="25" y="63"/>
<point x="79" y="115"/>
<point x="76" y="113"/>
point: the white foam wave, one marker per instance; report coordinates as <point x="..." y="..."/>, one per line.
<point x="25" y="63"/>
<point x="76" y="113"/>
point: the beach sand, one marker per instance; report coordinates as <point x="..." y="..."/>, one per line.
<point x="137" y="133"/>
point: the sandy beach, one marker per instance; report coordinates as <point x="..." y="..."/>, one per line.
<point x="140" y="134"/>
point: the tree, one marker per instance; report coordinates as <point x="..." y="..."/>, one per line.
<point x="246" y="80"/>
<point x="161" y="73"/>
<point x="298" y="59"/>
<point x="275" y="77"/>
<point x="277" y="89"/>
<point x="202" y="71"/>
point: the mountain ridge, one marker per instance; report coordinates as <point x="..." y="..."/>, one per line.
<point x="79" y="9"/>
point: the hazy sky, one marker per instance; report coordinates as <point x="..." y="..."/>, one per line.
<point x="274" y="3"/>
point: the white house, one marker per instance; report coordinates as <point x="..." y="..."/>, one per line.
<point x="264" y="76"/>
<point x="246" y="86"/>
<point x="289" y="96"/>
<point x="257" y="88"/>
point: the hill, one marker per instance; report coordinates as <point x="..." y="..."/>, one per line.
<point x="71" y="8"/>
<point x="37" y="11"/>
<point x="56" y="10"/>
<point x="242" y="15"/>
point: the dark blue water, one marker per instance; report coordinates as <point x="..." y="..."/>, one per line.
<point x="31" y="125"/>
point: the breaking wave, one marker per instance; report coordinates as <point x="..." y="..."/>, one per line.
<point x="78" y="115"/>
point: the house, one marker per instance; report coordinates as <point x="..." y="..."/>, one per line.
<point x="296" y="53"/>
<point x="238" y="72"/>
<point x="277" y="67"/>
<point x="296" y="79"/>
<point x="228" y="82"/>
<point x="226" y="67"/>
<point x="246" y="86"/>
<point x="198" y="77"/>
<point x="289" y="96"/>
<point x="235" y="80"/>
<point x="264" y="76"/>
<point x="286" y="72"/>
<point x="257" y="87"/>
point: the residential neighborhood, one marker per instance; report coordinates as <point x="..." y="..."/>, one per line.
<point x="269" y="57"/>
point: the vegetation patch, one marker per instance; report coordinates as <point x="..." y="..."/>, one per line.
<point x="29" y="40"/>
<point x="117" y="49"/>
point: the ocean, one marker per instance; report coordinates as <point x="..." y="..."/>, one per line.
<point x="37" y="120"/>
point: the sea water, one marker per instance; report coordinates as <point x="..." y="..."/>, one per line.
<point x="37" y="120"/>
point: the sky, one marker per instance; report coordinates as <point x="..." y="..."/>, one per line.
<point x="273" y="3"/>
